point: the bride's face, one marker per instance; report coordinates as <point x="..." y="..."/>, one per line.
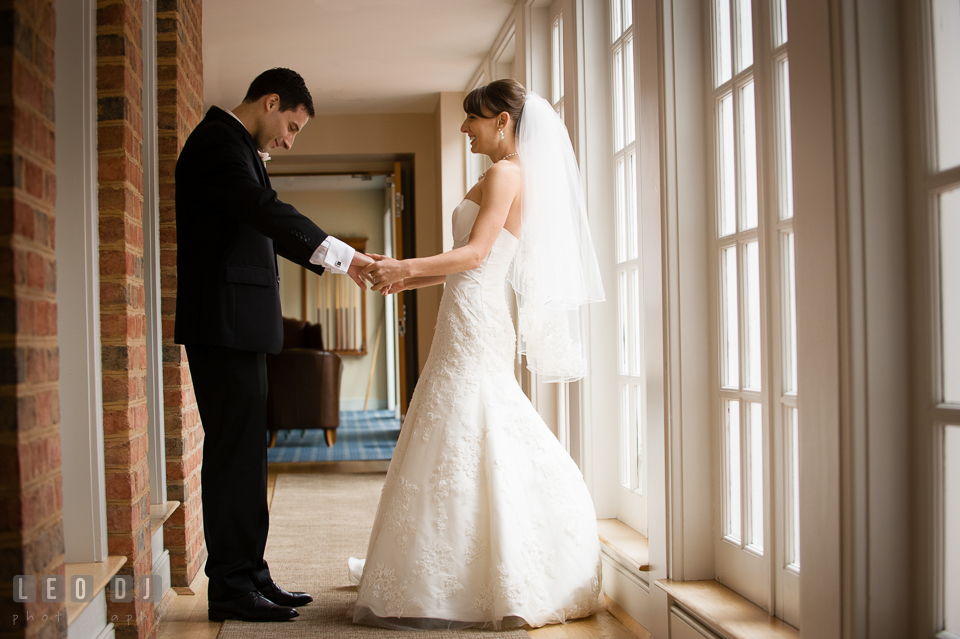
<point x="483" y="133"/>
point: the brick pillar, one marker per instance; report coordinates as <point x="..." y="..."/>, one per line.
<point x="180" y="103"/>
<point x="122" y="311"/>
<point x="31" y="495"/>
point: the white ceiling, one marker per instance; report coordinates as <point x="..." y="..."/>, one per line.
<point x="357" y="56"/>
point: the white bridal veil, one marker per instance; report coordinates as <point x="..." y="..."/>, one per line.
<point x="555" y="269"/>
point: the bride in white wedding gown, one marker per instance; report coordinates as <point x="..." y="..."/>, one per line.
<point x="484" y="519"/>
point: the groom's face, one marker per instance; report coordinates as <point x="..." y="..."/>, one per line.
<point x="279" y="128"/>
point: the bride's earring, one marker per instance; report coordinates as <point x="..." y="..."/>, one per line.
<point x="501" y="135"/>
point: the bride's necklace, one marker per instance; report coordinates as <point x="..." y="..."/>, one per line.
<point x="500" y="160"/>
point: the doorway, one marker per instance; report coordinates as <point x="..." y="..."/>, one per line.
<point x="366" y="203"/>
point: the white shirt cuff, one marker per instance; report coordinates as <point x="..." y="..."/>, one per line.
<point x="333" y="255"/>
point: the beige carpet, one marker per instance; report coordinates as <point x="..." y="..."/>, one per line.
<point x="316" y="523"/>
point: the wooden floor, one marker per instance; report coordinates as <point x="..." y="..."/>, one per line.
<point x="185" y="616"/>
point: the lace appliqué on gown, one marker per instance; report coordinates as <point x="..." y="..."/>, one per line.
<point x="484" y="519"/>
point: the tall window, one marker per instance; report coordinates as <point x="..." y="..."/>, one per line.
<point x="755" y="309"/>
<point x="942" y="190"/>
<point x="556" y="67"/>
<point x="631" y="501"/>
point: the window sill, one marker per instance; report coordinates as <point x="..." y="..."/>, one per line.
<point x="101" y="571"/>
<point x="160" y="513"/>
<point x="724" y="611"/>
<point x="626" y="543"/>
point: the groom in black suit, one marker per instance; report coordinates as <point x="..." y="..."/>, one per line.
<point x="230" y="229"/>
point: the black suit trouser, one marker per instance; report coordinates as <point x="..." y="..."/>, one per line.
<point x="231" y="390"/>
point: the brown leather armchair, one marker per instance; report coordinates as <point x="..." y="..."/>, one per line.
<point x="303" y="383"/>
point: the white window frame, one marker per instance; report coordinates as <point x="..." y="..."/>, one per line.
<point x="935" y="415"/>
<point x="627" y="290"/>
<point x="556" y="62"/>
<point x="762" y="574"/>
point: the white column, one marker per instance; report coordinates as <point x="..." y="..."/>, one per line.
<point x="78" y="284"/>
<point x="151" y="285"/>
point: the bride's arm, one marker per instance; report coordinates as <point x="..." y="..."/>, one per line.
<point x="421" y="282"/>
<point x="413" y="282"/>
<point x="499" y="188"/>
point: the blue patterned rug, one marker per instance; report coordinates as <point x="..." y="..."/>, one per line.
<point x="362" y="435"/>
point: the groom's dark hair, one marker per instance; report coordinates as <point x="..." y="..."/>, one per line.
<point x="287" y="84"/>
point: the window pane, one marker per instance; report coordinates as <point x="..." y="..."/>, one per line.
<point x="639" y="433"/>
<point x="625" y="421"/>
<point x="744" y="34"/>
<point x="950" y="293"/>
<point x="951" y="532"/>
<point x="755" y="476"/>
<point x="784" y="142"/>
<point x="779" y="22"/>
<point x="946" y="53"/>
<point x="616" y="19"/>
<point x="751" y="280"/>
<point x="624" y="321"/>
<point x="621" y="195"/>
<point x="748" y="163"/>
<point x="731" y="470"/>
<point x="627" y="14"/>
<point x="788" y="304"/>
<point x="630" y="185"/>
<point x="629" y="110"/>
<point x="792" y="476"/>
<point x="557" y="91"/>
<point x="722" y="70"/>
<point x="726" y="175"/>
<point x="618" y="99"/>
<point x="637" y="361"/>
<point x="560" y="49"/>
<point x="730" y="341"/>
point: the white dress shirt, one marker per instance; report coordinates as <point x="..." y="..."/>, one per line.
<point x="332" y="254"/>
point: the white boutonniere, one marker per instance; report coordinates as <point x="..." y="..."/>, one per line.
<point x="264" y="156"/>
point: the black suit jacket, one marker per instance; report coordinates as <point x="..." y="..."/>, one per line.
<point x="230" y="229"/>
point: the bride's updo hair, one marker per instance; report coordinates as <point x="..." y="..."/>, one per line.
<point x="495" y="98"/>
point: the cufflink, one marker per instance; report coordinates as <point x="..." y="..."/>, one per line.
<point x="339" y="262"/>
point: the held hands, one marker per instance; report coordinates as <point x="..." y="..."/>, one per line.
<point x="360" y="262"/>
<point x="381" y="271"/>
<point x="395" y="288"/>
<point x="386" y="274"/>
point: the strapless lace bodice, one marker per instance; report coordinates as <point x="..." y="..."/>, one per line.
<point x="490" y="277"/>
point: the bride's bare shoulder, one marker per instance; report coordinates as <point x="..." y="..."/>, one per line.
<point x="502" y="175"/>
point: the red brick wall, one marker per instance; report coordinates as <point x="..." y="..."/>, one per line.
<point x="122" y="311"/>
<point x="180" y="103"/>
<point x="31" y="495"/>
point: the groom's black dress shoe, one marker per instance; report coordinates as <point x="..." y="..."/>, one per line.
<point x="251" y="607"/>
<point x="281" y="597"/>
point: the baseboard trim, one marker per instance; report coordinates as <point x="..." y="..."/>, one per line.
<point x="627" y="590"/>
